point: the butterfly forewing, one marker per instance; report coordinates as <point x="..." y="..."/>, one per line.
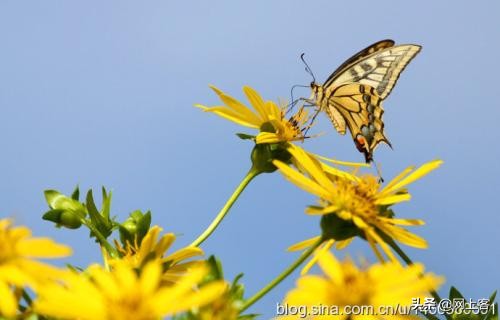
<point x="377" y="46"/>
<point x="381" y="69"/>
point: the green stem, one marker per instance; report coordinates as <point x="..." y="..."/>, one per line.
<point x="409" y="262"/>
<point x="102" y="240"/>
<point x="252" y="173"/>
<point x="105" y="259"/>
<point x="256" y="297"/>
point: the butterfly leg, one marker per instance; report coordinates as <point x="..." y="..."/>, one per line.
<point x="306" y="129"/>
<point x="380" y="179"/>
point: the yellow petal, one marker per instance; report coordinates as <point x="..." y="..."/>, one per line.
<point x="415" y="175"/>
<point x="318" y="252"/>
<point x="150" y="277"/>
<point x="398" y="178"/>
<point x="256" y="101"/>
<point x="377" y="239"/>
<point x="230" y="115"/>
<point x="239" y="107"/>
<point x="300" y="180"/>
<point x="404" y="236"/>
<point x="312" y="166"/>
<point x="321" y="210"/>
<point x="267" y="137"/>
<point x="342" y="163"/>
<point x="184" y="253"/>
<point x="8" y="303"/>
<point x="403" y="222"/>
<point x="303" y="244"/>
<point x="43" y="248"/>
<point x="393" y="199"/>
<point x="331" y="267"/>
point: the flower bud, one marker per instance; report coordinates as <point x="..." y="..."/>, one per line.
<point x="135" y="227"/>
<point x="65" y="211"/>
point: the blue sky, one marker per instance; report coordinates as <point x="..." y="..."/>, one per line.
<point x="101" y="93"/>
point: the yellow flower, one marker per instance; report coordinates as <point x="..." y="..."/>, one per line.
<point x="356" y="206"/>
<point x="125" y="293"/>
<point x="223" y="308"/>
<point x="267" y="117"/>
<point x="346" y="292"/>
<point x="136" y="255"/>
<point x="17" y="267"/>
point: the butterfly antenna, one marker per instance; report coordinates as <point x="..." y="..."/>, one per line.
<point x="308" y="69"/>
<point x="293" y="101"/>
<point x="379" y="173"/>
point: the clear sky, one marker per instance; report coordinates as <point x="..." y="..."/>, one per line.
<point x="101" y="93"/>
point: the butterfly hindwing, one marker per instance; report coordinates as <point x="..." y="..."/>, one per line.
<point x="361" y="108"/>
<point x="336" y="118"/>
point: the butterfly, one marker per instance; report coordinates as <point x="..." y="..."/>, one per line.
<point x="352" y="96"/>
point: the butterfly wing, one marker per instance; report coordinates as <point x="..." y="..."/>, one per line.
<point x="377" y="46"/>
<point x="336" y="118"/>
<point x="378" y="66"/>
<point x="360" y="108"/>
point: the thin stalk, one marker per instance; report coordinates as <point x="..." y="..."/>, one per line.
<point x="256" y="297"/>
<point x="252" y="173"/>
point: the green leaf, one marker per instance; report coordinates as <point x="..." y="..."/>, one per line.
<point x="103" y="225"/>
<point x="493" y="296"/>
<point x="244" y="136"/>
<point x="52" y="197"/>
<point x="455" y="294"/>
<point x="143" y="225"/>
<point x="53" y="215"/>
<point x="106" y="203"/>
<point x="76" y="194"/>
<point x="493" y="313"/>
<point x="249" y="316"/>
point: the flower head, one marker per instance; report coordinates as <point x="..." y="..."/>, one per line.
<point x="266" y="116"/>
<point x="153" y="247"/>
<point x="344" y="287"/>
<point x="125" y="293"/>
<point x="357" y="205"/>
<point x="17" y="267"/>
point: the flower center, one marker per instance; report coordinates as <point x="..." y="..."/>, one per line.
<point x="356" y="198"/>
